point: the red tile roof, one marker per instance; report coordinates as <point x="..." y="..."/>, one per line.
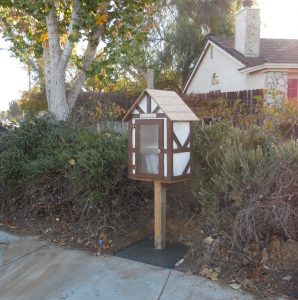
<point x="283" y="51"/>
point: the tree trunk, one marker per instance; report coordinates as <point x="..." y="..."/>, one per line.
<point x="57" y="105"/>
<point x="55" y="87"/>
<point x="54" y="73"/>
<point x="56" y="60"/>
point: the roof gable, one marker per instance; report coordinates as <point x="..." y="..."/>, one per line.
<point x="272" y="51"/>
<point x="209" y="42"/>
<point x="169" y="102"/>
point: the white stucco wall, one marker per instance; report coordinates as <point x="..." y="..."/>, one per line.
<point x="227" y="68"/>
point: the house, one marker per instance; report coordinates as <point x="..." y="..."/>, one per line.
<point x="247" y="62"/>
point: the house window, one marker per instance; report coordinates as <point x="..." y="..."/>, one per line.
<point x="215" y="79"/>
<point x="293" y="88"/>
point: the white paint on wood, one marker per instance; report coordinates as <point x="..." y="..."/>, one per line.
<point x="188" y="171"/>
<point x="181" y="130"/>
<point x="153" y="104"/>
<point x="180" y="161"/>
<point x="133" y="138"/>
<point x="165" y="136"/>
<point x="165" y="165"/>
<point x="135" y="112"/>
<point x="134" y="159"/>
<point x="148" y="116"/>
<point x="133" y="171"/>
<point x="143" y="104"/>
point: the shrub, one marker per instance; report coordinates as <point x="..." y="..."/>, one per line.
<point x="274" y="208"/>
<point x="100" y="164"/>
<point x="245" y="178"/>
<point x="40" y="148"/>
<point x="228" y="165"/>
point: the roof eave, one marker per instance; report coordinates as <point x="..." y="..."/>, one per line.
<point x="149" y="92"/>
<point x="268" y="66"/>
<point x="193" y="117"/>
<point x="126" y="117"/>
<point x="196" y="66"/>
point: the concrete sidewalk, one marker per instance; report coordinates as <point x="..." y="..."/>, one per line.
<point x="33" y="269"/>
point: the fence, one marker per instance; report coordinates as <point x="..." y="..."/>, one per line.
<point x="247" y="97"/>
<point x="118" y="126"/>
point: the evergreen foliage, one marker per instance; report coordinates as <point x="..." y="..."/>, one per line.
<point x="41" y="148"/>
<point x="247" y="176"/>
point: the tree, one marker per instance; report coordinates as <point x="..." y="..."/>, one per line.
<point x="53" y="30"/>
<point x="33" y="102"/>
<point x="195" y="20"/>
<point x="3" y="114"/>
<point x="14" y="110"/>
<point x="180" y="32"/>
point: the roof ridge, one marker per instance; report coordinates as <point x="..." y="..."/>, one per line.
<point x="272" y="50"/>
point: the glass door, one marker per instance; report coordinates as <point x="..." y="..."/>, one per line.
<point x="149" y="154"/>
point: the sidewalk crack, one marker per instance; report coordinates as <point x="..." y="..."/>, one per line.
<point x="20" y="257"/>
<point x="164" y="286"/>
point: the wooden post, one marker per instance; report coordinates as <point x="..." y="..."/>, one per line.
<point x="160" y="214"/>
<point x="150" y="78"/>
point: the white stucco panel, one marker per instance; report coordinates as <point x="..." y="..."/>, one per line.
<point x="165" y="130"/>
<point x="181" y="130"/>
<point x="133" y="138"/>
<point x="226" y="68"/>
<point x="180" y="161"/>
<point x="143" y="104"/>
<point x="153" y="104"/>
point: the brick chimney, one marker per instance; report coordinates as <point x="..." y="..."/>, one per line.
<point x="247" y="35"/>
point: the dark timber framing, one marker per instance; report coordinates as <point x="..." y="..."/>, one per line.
<point x="165" y="114"/>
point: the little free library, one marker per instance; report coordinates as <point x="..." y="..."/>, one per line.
<point x="160" y="146"/>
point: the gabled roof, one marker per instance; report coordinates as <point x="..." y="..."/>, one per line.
<point x="169" y="102"/>
<point x="280" y="51"/>
<point x="272" y="51"/>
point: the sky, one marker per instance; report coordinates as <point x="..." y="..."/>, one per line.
<point x="279" y="20"/>
<point x="13" y="77"/>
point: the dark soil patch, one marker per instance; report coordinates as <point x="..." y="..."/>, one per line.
<point x="267" y="270"/>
